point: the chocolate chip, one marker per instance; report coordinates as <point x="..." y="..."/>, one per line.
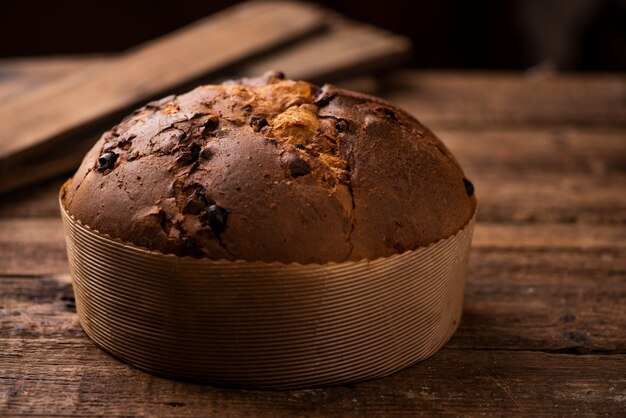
<point x="341" y="126"/>
<point x="324" y="98"/>
<point x="210" y="125"/>
<point x="297" y="166"/>
<point x="124" y="144"/>
<point x="107" y="161"/>
<point x="196" y="202"/>
<point x="300" y="146"/>
<point x="124" y="141"/>
<point x="258" y="122"/>
<point x="469" y="187"/>
<point x="195" y="151"/>
<point x="207" y="153"/>
<point x="273" y="142"/>
<point x="164" y="221"/>
<point x="188" y="243"/>
<point x="217" y="218"/>
<point x="191" y="154"/>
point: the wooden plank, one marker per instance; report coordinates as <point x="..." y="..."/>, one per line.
<point x="546" y="300"/>
<point x="32" y="246"/>
<point x="525" y="151"/>
<point x="59" y="160"/>
<point x="75" y="378"/>
<point x="548" y="236"/>
<point x="455" y="99"/>
<point x="50" y="67"/>
<point x="38" y="307"/>
<point x="146" y="71"/>
<point x="19" y="75"/>
<point x="39" y="200"/>
<point x="559" y="174"/>
<point x="345" y="49"/>
<point x="549" y="197"/>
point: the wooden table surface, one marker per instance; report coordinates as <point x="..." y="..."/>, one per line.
<point x="544" y="323"/>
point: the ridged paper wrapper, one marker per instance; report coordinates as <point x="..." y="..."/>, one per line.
<point x="266" y="325"/>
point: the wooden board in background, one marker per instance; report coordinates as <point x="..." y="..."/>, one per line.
<point x="346" y="50"/>
<point x="21" y="75"/>
<point x="477" y="99"/>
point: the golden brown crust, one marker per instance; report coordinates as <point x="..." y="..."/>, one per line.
<point x="272" y="170"/>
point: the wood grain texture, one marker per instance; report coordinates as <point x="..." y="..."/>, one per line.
<point x="547" y="197"/>
<point x="550" y="150"/>
<point x="345" y="48"/>
<point x="20" y="75"/>
<point x="39" y="200"/>
<point x="543" y="330"/>
<point x="453" y="383"/>
<point x="59" y="159"/>
<point x="468" y="100"/>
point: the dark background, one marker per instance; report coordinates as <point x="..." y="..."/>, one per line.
<point x="576" y="35"/>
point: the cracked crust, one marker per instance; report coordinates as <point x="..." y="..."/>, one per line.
<point x="269" y="169"/>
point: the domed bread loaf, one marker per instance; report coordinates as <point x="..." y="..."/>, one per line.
<point x="269" y="169"/>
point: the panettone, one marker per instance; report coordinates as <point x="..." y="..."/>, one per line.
<point x="268" y="169"/>
<point x="269" y="233"/>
